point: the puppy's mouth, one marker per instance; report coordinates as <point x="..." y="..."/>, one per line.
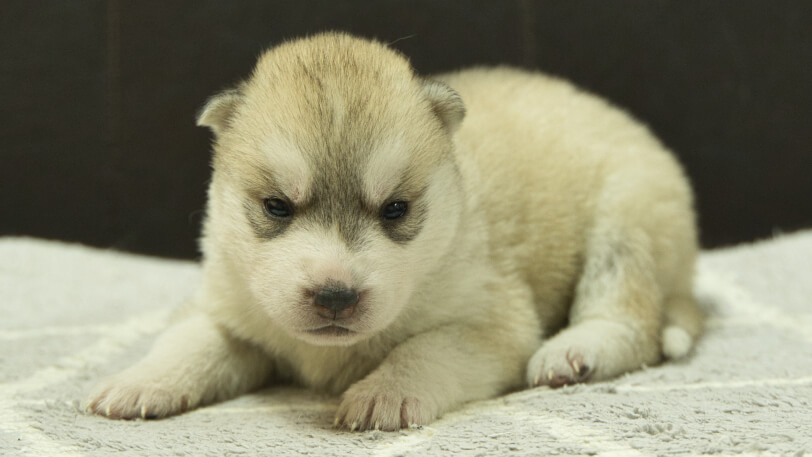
<point x="331" y="330"/>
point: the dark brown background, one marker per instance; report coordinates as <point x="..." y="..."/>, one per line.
<point x="97" y="98"/>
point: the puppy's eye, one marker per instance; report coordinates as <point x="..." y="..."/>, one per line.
<point x="394" y="210"/>
<point x="275" y="207"/>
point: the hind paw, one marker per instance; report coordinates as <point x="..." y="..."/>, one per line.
<point x="557" y="367"/>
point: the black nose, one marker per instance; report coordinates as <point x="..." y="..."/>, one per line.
<point x="336" y="298"/>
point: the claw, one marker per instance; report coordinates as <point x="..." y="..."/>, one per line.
<point x="576" y="366"/>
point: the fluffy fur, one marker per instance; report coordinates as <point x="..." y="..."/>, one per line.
<point x="548" y="239"/>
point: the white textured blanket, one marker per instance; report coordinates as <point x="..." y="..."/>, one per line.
<point x="71" y="314"/>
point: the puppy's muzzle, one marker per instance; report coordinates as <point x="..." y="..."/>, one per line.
<point x="336" y="301"/>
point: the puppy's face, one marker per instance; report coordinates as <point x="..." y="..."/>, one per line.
<point x="335" y="192"/>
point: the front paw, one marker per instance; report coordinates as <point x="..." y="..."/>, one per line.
<point x="130" y="397"/>
<point x="369" y="405"/>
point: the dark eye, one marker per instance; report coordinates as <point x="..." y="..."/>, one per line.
<point x="394" y="210"/>
<point x="276" y="207"/>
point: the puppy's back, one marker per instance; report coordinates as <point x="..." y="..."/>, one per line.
<point x="543" y="157"/>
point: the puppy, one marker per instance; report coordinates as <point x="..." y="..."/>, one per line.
<point x="416" y="243"/>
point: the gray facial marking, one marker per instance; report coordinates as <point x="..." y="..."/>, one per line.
<point x="406" y="228"/>
<point x="338" y="201"/>
<point x="337" y="204"/>
<point x="264" y="227"/>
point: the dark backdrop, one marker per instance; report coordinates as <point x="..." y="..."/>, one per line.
<point x="97" y="98"/>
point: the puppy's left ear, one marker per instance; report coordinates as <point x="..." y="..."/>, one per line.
<point x="219" y="109"/>
<point x="446" y="103"/>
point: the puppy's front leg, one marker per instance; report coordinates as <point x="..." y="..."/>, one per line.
<point x="192" y="363"/>
<point x="432" y="373"/>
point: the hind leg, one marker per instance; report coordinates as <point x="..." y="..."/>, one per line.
<point x="615" y="318"/>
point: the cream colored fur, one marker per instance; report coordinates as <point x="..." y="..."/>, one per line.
<point x="550" y="240"/>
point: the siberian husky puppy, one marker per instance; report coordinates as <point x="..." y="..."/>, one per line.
<point x="419" y="243"/>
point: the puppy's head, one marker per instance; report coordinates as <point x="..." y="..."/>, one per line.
<point x="335" y="192"/>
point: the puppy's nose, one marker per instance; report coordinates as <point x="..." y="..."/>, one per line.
<point x="336" y="298"/>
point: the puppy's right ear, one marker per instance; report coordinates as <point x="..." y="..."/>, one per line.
<point x="219" y="109"/>
<point x="445" y="102"/>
